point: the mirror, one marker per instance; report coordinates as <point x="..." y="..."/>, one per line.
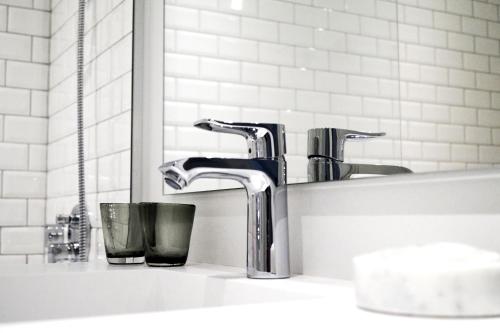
<point x="427" y="75"/>
<point x="449" y="76"/>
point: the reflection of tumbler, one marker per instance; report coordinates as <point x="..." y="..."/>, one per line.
<point x="123" y="237"/>
<point x="167" y="232"/>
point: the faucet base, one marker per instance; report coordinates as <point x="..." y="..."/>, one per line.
<point x="267" y="276"/>
<point x="126" y="260"/>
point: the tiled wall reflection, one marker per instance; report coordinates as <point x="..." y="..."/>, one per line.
<point x="316" y="63"/>
<point x="302" y="63"/>
<point x="450" y="83"/>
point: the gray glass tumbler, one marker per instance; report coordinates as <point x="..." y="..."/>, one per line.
<point x="123" y="236"/>
<point x="167" y="232"/>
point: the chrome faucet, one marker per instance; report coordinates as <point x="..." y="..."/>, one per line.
<point x="264" y="178"/>
<point x="325" y="151"/>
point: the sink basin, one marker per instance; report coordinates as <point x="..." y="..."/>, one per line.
<point x="91" y="297"/>
<point x="81" y="290"/>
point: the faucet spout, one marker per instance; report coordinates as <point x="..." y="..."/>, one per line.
<point x="320" y="169"/>
<point x="254" y="175"/>
<point x="267" y="211"/>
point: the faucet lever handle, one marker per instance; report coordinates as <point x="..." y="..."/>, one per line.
<point x="329" y="142"/>
<point x="356" y="135"/>
<point x="264" y="140"/>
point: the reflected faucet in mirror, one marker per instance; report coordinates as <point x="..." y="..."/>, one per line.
<point x="325" y="151"/>
<point x="264" y="177"/>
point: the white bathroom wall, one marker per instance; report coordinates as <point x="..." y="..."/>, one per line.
<point x="107" y="108"/>
<point x="332" y="222"/>
<point x="450" y="83"/>
<point x="24" y="82"/>
<point x="38" y="152"/>
<point x="211" y="73"/>
<point x="303" y="63"/>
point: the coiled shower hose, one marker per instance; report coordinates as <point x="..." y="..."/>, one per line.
<point x="82" y="204"/>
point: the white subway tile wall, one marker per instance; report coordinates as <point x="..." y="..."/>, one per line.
<point x="38" y="154"/>
<point x="302" y="63"/>
<point x="450" y="51"/>
<point x="107" y="102"/>
<point x="426" y="72"/>
<point x="24" y="81"/>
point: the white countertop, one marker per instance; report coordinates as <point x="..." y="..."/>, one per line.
<point x="325" y="305"/>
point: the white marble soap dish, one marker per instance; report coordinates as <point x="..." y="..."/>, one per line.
<point x="442" y="279"/>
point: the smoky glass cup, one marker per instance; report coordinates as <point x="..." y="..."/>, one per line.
<point x="123" y="235"/>
<point x="167" y="232"/>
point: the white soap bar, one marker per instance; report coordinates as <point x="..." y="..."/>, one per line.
<point x="443" y="279"/>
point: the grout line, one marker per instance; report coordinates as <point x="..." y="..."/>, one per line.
<point x="27" y="212"/>
<point x="30" y="103"/>
<point x="90" y="193"/>
<point x="6" y="18"/>
<point x="27" y="62"/>
<point x="3" y="129"/>
<point x="32" y="49"/>
<point x="28" y="165"/>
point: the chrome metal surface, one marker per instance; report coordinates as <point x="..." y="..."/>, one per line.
<point x="330" y="142"/>
<point x="84" y="224"/>
<point x="320" y="169"/>
<point x="267" y="206"/>
<point x="263" y="140"/>
<point x="62" y="240"/>
<point x="325" y="151"/>
<point x="62" y="252"/>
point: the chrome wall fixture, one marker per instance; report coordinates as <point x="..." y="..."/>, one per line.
<point x="264" y="178"/>
<point x="62" y="239"/>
